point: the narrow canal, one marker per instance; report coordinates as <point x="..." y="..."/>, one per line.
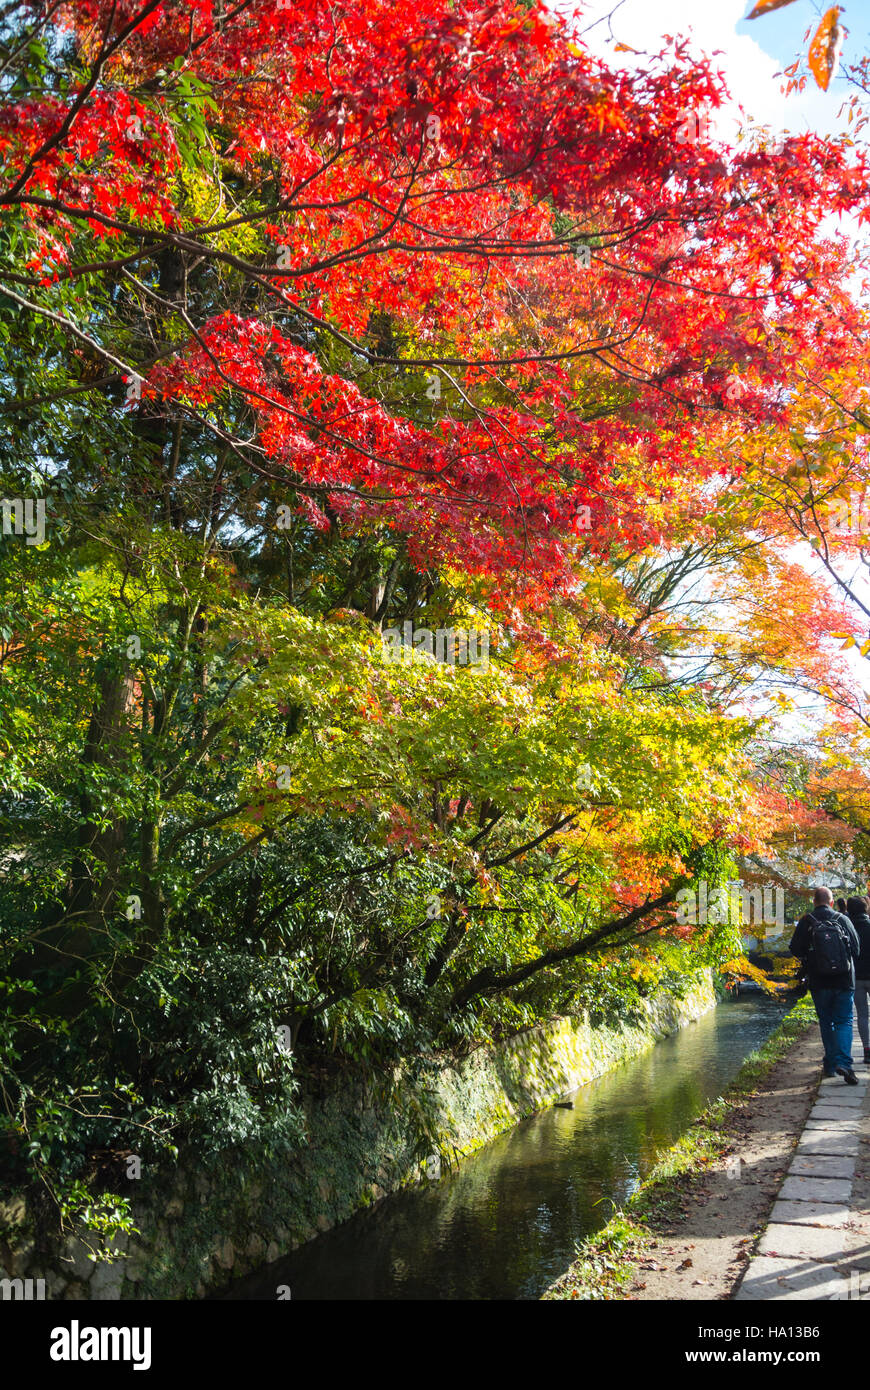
<point x="504" y="1226"/>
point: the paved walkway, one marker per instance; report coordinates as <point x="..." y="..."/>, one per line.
<point x="817" y="1243"/>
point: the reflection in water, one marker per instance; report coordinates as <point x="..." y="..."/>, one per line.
<point x="505" y="1225"/>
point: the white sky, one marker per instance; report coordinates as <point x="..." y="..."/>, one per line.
<point x="750" y="59"/>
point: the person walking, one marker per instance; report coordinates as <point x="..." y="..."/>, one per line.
<point x="860" y="919"/>
<point x="827" y="945"/>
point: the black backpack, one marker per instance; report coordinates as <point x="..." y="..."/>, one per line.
<point x="829" y="949"/>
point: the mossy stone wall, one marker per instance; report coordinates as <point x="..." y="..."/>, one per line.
<point x="199" y="1231"/>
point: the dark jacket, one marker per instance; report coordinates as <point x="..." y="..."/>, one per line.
<point x="861" y="923"/>
<point x="800" y="946"/>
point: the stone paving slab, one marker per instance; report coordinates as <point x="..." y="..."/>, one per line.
<point x="840" y="1093"/>
<point x="843" y="1124"/>
<point x="800" y="1188"/>
<point x="838" y="1103"/>
<point x="832" y="1109"/>
<point x="852" y="1096"/>
<point x="821" y="1166"/>
<point x="767" y="1278"/>
<point x="828" y="1244"/>
<point x="830" y="1122"/>
<point x="845" y="1114"/>
<point x="838" y="1087"/>
<point x="810" y="1213"/>
<point x="829" y="1141"/>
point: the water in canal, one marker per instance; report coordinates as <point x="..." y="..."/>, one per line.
<point x="504" y="1226"/>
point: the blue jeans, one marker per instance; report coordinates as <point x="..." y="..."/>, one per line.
<point x="834" y="1012"/>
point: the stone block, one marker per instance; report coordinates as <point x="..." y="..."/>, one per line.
<point x="770" y="1278"/>
<point x="840" y="1100"/>
<point x="225" y="1254"/>
<point x="826" y="1243"/>
<point x="809" y="1213"/>
<point x="255" y="1249"/>
<point x="850" y="1120"/>
<point x="106" y="1281"/>
<point x="829" y="1141"/>
<point x="55" y="1285"/>
<point x="837" y="1122"/>
<point x="806" y="1188"/>
<point x="19" y="1261"/>
<point x="821" y="1166"/>
<point x="836" y="1093"/>
<point x="78" y="1258"/>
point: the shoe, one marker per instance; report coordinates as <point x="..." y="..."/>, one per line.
<point x="867" y="1056"/>
<point x="848" y="1076"/>
<point x="827" y="1073"/>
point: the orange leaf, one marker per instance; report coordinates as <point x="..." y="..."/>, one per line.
<point x="764" y="5"/>
<point x="824" y="54"/>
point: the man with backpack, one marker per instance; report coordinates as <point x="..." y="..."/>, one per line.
<point x="828" y="946"/>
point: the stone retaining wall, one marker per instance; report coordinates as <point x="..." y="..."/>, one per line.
<point x="200" y="1231"/>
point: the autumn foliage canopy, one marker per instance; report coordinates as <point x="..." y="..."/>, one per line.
<point x="318" y="320"/>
